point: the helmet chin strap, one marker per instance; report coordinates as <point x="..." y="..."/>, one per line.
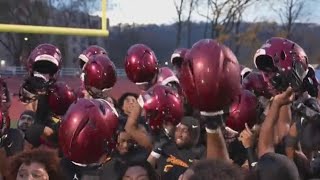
<point x="37" y="74"/>
<point x="78" y="164"/>
<point x="82" y="76"/>
<point x="86" y="165"/>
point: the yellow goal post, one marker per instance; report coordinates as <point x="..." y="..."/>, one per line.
<point x="16" y="28"/>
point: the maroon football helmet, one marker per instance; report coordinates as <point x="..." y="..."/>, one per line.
<point x="90" y="51"/>
<point x="243" y="110"/>
<point x="255" y="83"/>
<point x="280" y="54"/>
<point x="283" y="63"/>
<point x="141" y="64"/>
<point x="178" y="56"/>
<point x="45" y="59"/>
<point x="161" y="104"/>
<point x="60" y="97"/>
<point x="209" y="76"/>
<point x="87" y="130"/>
<point x="99" y="75"/>
<point x="166" y="76"/>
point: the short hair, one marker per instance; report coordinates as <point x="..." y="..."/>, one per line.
<point x="124" y="96"/>
<point x="216" y="170"/>
<point x="48" y="158"/>
<point x="145" y="165"/>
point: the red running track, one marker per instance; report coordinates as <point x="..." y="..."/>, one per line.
<point x="123" y="85"/>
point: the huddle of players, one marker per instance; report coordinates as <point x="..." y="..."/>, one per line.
<point x="207" y="78"/>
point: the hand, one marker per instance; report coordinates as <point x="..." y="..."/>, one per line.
<point x="229" y="134"/>
<point x="293" y="130"/>
<point x="284" y="98"/>
<point x="245" y="165"/>
<point x="47" y="131"/>
<point x="246" y="137"/>
<point x="159" y="146"/>
<point x="213" y="122"/>
<point x="135" y="109"/>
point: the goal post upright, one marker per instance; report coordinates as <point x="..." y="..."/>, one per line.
<point x="31" y="29"/>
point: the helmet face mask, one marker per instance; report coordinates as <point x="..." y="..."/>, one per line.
<point x="281" y="80"/>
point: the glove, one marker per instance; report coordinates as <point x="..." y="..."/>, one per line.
<point x="159" y="146"/>
<point x="14" y="143"/>
<point x="215" y="120"/>
<point x="307" y="111"/>
<point x="33" y="133"/>
<point x="26" y="94"/>
<point x="213" y="123"/>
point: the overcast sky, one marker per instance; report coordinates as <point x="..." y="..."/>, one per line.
<point x="163" y="12"/>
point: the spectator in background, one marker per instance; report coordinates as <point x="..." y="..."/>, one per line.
<point x="127" y="151"/>
<point x="126" y="103"/>
<point x="27" y="118"/>
<point x="35" y="164"/>
<point x="173" y="156"/>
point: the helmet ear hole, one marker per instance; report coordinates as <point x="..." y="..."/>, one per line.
<point x="265" y="63"/>
<point x="81" y="63"/>
<point x="177" y="61"/>
<point x="283" y="55"/>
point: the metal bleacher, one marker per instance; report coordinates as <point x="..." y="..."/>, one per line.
<point x="21" y="71"/>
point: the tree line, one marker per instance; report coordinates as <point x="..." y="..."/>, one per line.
<point x="222" y="20"/>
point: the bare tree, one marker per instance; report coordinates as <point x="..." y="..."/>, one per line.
<point x="24" y="12"/>
<point x="191" y="7"/>
<point x="179" y="5"/>
<point x="223" y="15"/>
<point x="241" y="5"/>
<point x="289" y="11"/>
